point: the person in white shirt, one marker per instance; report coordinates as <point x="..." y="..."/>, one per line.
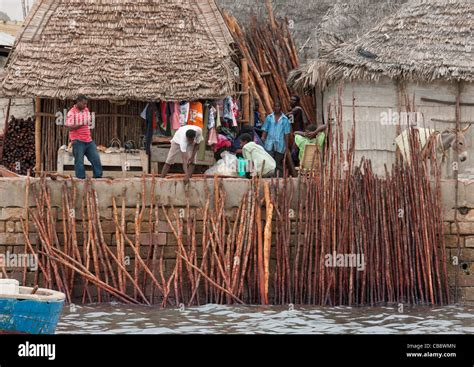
<point x="185" y="143"/>
<point x="259" y="159"/>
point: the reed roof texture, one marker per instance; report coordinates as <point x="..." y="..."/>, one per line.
<point x="122" y="50"/>
<point x="423" y="41"/>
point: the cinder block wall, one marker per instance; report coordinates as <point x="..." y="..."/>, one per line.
<point x="461" y="259"/>
<point x="172" y="193"/>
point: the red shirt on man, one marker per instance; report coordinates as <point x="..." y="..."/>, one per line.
<point x="83" y="118"/>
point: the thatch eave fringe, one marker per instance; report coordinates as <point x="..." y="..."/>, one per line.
<point x="424" y="41"/>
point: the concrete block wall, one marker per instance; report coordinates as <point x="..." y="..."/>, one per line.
<point x="461" y="259"/>
<point x="170" y="194"/>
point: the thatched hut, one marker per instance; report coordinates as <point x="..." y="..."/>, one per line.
<point x="120" y="54"/>
<point x="421" y="59"/>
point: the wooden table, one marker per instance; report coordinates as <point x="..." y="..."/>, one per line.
<point x="117" y="164"/>
<point x="159" y="153"/>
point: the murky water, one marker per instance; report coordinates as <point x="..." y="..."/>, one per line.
<point x="119" y="319"/>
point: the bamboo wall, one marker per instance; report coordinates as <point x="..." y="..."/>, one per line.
<point x="120" y="121"/>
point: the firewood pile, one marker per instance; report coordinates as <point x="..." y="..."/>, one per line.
<point x="268" y="55"/>
<point x="19" y="146"/>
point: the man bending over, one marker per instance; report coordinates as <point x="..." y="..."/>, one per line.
<point x="185" y="143"/>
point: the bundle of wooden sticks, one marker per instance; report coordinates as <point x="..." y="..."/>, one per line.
<point x="338" y="235"/>
<point x="268" y="55"/>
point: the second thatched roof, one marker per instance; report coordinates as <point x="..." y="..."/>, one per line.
<point x="424" y="40"/>
<point x="122" y="50"/>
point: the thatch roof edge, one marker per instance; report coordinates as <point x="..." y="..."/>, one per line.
<point x="437" y="46"/>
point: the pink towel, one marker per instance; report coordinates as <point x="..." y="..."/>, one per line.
<point x="175" y="110"/>
<point x="212" y="137"/>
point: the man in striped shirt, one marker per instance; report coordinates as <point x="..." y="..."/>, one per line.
<point x="79" y="122"/>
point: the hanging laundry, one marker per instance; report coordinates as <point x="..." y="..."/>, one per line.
<point x="196" y="116"/>
<point x="212" y="137"/>
<point x="222" y="142"/>
<point x="152" y="126"/>
<point x="143" y="114"/>
<point x="228" y="112"/>
<point x="183" y="113"/>
<point x="231" y="112"/>
<point x="211" y="123"/>
<point x="218" y="116"/>
<point x="235" y="111"/>
<point x="168" y="119"/>
<point x="175" y="112"/>
<point x="164" y="118"/>
<point x="205" y="132"/>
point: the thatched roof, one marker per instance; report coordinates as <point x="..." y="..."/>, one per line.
<point x="424" y="40"/>
<point x="122" y="49"/>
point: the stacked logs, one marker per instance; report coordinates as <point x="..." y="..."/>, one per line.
<point x="19" y="146"/>
<point x="268" y="55"/>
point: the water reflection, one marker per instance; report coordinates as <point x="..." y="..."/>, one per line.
<point x="120" y="319"/>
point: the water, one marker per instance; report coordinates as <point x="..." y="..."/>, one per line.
<point x="211" y="319"/>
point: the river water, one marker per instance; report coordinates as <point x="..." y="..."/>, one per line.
<point x="213" y="319"/>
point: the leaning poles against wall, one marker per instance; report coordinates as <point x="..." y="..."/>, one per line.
<point x="336" y="235"/>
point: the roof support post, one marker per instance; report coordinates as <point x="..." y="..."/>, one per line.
<point x="456" y="193"/>
<point x="245" y="90"/>
<point x="38" y="136"/>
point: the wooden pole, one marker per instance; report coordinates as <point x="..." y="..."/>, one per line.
<point x="38" y="135"/>
<point x="5" y="127"/>
<point x="245" y="90"/>
<point x="252" y="109"/>
<point x="115" y="119"/>
<point x="7" y="117"/>
<point x="267" y="241"/>
<point x="456" y="193"/>
<point x="271" y="16"/>
<point x="240" y="38"/>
